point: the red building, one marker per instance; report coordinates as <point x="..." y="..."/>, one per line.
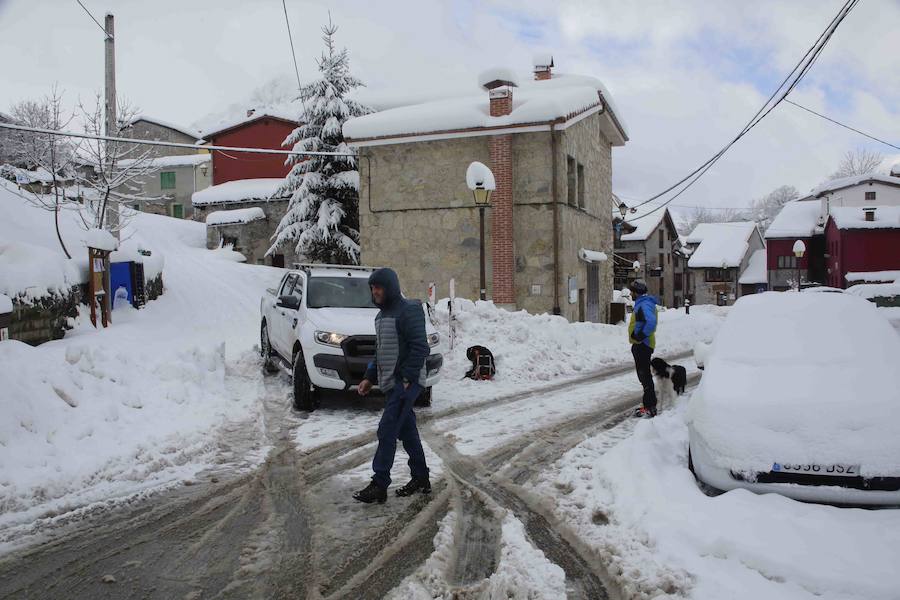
<point x="861" y="240"/>
<point x="257" y="130"/>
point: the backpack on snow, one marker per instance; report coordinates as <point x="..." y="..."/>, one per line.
<point x="482" y="363"/>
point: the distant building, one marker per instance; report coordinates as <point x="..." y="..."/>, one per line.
<point x="263" y="129"/>
<point x="720" y="254"/>
<point x="243" y="215"/>
<point x="168" y="190"/>
<point x="862" y="244"/>
<point x="549" y="233"/>
<point x="798" y="220"/>
<point x="6" y="137"/>
<point x="144" y="127"/>
<point x="650" y="237"/>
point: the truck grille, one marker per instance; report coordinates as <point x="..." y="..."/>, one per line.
<point x="359" y="345"/>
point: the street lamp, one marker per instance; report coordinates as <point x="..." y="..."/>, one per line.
<point x="799" y="250"/>
<point x="480" y="180"/>
<point x="623" y="209"/>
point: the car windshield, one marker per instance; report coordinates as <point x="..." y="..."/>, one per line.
<point x="339" y="292"/>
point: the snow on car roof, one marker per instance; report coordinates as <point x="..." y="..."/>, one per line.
<point x="848" y="217"/>
<point x="796" y="219"/>
<point x="806" y="378"/>
<point x="533" y="102"/>
<point x="241" y="190"/>
<point x="720" y="244"/>
<point x="756" y="269"/>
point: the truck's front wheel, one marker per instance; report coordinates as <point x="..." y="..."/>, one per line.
<point x="304" y="392"/>
<point x="265" y="349"/>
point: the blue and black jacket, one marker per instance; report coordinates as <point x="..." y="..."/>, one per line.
<point x="642" y="326"/>
<point x="401" y="346"/>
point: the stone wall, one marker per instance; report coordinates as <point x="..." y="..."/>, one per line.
<point x="251" y="239"/>
<point x="45" y="319"/>
<point x="188" y="179"/>
<point x="144" y="130"/>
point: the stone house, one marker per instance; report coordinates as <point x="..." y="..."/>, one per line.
<point x="548" y="231"/>
<point x="168" y="189"/>
<point x="243" y="214"/>
<point x="720" y="254"/>
<point x="647" y="235"/>
<point x="144" y="127"/>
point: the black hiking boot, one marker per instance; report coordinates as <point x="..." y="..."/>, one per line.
<point x="415" y="485"/>
<point x="371" y="493"/>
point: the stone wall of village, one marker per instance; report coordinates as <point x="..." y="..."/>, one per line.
<point x="250" y="239"/>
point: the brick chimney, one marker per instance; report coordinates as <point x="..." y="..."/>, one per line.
<point x="543" y="63"/>
<point x="870" y="213"/>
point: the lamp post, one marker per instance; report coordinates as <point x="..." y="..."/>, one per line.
<point x="480" y="180"/>
<point x="799" y="250"/>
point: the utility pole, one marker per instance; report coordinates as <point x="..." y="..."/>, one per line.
<point x="110" y="94"/>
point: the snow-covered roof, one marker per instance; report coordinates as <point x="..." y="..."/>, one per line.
<point x="232" y="121"/>
<point x="756" y="271"/>
<point x="895" y="170"/>
<point x="100" y="239"/>
<point x="40" y="174"/>
<point x="644" y="225"/>
<point x="242" y="190"/>
<point x="851" y="217"/>
<point x="872" y="276"/>
<point x="874" y="290"/>
<point x="534" y="102"/>
<point x="796" y="219"/>
<point x="185" y="130"/>
<point x="6" y="305"/>
<point x="237" y="215"/>
<point x="721" y="244"/>
<point x="162" y="162"/>
<point x="845" y="182"/>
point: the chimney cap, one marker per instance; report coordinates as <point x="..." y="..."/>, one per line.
<point x="542" y="61"/>
<point x="250" y="112"/>
<point x="498" y="77"/>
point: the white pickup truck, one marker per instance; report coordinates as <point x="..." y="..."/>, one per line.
<point x="319" y="324"/>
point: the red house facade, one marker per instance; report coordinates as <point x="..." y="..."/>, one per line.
<point x="861" y="240"/>
<point x="256" y="131"/>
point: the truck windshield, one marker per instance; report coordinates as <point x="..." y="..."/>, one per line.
<point x="339" y="292"/>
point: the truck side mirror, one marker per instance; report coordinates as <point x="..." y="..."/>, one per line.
<point x="291" y="302"/>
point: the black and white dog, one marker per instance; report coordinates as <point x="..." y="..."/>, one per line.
<point x="670" y="381"/>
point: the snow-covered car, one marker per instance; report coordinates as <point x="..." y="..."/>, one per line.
<point x="319" y="323"/>
<point x="801" y="396"/>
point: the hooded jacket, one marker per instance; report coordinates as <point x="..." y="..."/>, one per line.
<point x="642" y="326"/>
<point x="401" y="346"/>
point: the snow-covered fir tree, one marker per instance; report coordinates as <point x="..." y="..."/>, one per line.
<point x="322" y="219"/>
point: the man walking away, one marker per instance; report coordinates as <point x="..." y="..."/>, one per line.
<point x="399" y="369"/>
<point x="642" y="335"/>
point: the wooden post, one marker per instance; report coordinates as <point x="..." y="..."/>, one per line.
<point x="98" y="285"/>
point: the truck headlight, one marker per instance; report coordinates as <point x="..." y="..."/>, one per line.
<point x="434" y="339"/>
<point x="330" y="339"/>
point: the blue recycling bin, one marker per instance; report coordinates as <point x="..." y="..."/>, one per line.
<point x="120" y="276"/>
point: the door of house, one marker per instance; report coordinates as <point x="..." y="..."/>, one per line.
<point x="178" y="211"/>
<point x="593" y="294"/>
<point x="581" y="305"/>
<point x="278" y="260"/>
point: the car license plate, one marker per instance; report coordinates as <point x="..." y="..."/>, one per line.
<point x="835" y="470"/>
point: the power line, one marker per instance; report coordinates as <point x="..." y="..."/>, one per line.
<point x="287" y="22"/>
<point x="863" y="133"/>
<point x="168" y="144"/>
<point x="102" y="28"/>
<point x="804" y="65"/>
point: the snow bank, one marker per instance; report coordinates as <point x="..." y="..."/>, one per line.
<point x="796" y="219"/>
<point x="637" y="504"/>
<point x="720" y="244"/>
<point x="99" y="239"/>
<point x="801" y="378"/>
<point x="874" y="290"/>
<point x="31" y="272"/>
<point x="237" y="215"/>
<point x="872" y="276"/>
<point x="242" y="190"/>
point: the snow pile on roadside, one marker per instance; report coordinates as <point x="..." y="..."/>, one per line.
<point x="638" y="505"/>
<point x="30" y="272"/>
<point x="542" y="348"/>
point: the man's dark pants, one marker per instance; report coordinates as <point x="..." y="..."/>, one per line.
<point x="398" y="421"/>
<point x="642" y="353"/>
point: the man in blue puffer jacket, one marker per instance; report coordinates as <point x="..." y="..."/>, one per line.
<point x="642" y="335"/>
<point x="401" y="349"/>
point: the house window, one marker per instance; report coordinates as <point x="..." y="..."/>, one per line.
<point x="178" y="211"/>
<point x="581" y="186"/>
<point x="136" y="207"/>
<point x="662" y="260"/>
<point x="870" y="195"/>
<point x="787" y="262"/>
<point x="662" y="235"/>
<point x="572" y="181"/>
<point x="167" y="180"/>
<point x="716" y="275"/>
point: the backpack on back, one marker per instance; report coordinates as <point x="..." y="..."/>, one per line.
<point x="482" y="363"/>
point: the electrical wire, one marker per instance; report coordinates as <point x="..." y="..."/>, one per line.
<point x="169" y="144"/>
<point x="863" y="133"/>
<point x="102" y="28"/>
<point x="804" y="65"/>
<point x="287" y="22"/>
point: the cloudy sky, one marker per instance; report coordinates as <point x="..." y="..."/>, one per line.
<point x="686" y="75"/>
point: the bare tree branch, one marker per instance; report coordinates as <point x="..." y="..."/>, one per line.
<point x="858" y="162"/>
